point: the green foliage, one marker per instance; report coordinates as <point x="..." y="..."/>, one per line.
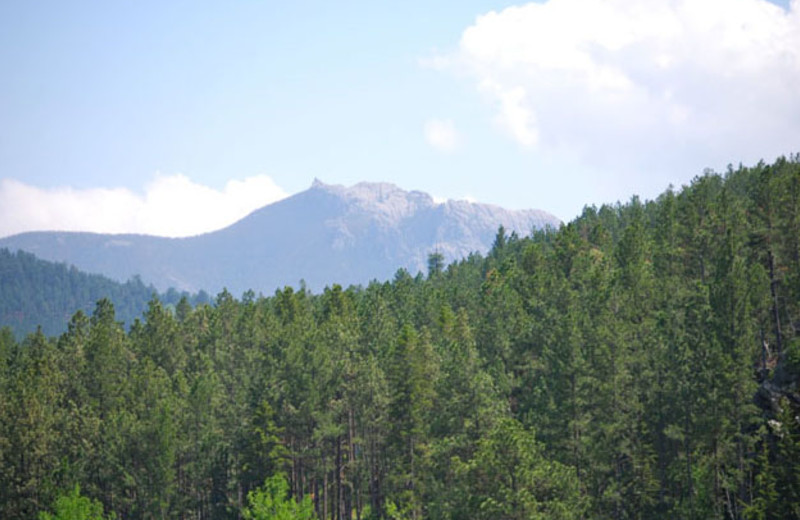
<point x="435" y="264"/>
<point x="792" y="360"/>
<point x="271" y="502"/>
<point x="510" y="477"/>
<point x="73" y="506"/>
<point x="40" y="294"/>
<point x="609" y="369"/>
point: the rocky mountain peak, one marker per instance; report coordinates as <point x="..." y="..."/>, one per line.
<point x="382" y="200"/>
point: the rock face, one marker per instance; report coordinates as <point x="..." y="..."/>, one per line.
<point x="324" y="235"/>
<point x="781" y="384"/>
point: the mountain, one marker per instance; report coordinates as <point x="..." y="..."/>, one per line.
<point x="326" y="234"/>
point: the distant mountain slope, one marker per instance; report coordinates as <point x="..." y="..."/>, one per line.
<point x="36" y="292"/>
<point x="326" y="234"/>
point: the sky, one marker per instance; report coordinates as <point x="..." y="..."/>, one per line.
<point x="178" y="118"/>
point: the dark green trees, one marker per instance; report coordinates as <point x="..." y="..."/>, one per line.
<point x="511" y="477"/>
<point x="641" y="362"/>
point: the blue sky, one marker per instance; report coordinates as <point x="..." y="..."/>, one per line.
<point x="178" y="117"/>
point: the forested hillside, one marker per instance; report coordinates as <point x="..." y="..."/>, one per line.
<point x="36" y="293"/>
<point x="640" y="362"/>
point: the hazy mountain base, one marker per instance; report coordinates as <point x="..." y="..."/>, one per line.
<point x="610" y="369"/>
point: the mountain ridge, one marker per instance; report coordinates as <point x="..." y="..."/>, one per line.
<point x="326" y="234"/>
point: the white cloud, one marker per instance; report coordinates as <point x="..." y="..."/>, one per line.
<point x="629" y="84"/>
<point x="515" y="115"/>
<point x="441" y="134"/>
<point x="172" y="206"/>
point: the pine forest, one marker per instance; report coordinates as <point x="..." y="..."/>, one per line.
<point x="640" y="362"/>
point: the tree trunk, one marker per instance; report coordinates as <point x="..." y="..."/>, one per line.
<point x="316" y="498"/>
<point x="351" y="457"/>
<point x="773" y="289"/>
<point x="324" y="490"/>
<point x="339" y="491"/>
<point x="294" y="479"/>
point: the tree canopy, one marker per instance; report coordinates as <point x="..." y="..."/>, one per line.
<point x="640" y="362"/>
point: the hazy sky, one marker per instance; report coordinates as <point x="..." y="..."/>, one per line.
<point x="176" y="118"/>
